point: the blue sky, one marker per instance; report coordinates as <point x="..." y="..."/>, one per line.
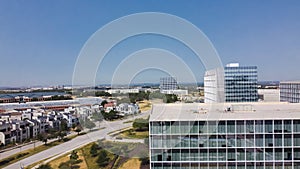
<point x="40" y="40"/>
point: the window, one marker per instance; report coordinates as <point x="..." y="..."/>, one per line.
<point x="259" y="126"/>
<point x="287" y="126"/>
<point x="277" y="126"/>
<point x="297" y="140"/>
<point x="194" y="128"/>
<point x="185" y="128"/>
<point x="250" y="126"/>
<point x="259" y="140"/>
<point x="269" y="154"/>
<point x="250" y="154"/>
<point x="269" y="140"/>
<point x="287" y="140"/>
<point x="296" y="125"/>
<point x="202" y="127"/>
<point x="221" y="127"/>
<point x="268" y="126"/>
<point x="156" y="128"/>
<point x="240" y="127"/>
<point x="278" y="140"/>
<point x="231" y="127"/>
<point x="175" y="128"/>
<point x="175" y="155"/>
<point x="278" y="154"/>
<point x="240" y="154"/>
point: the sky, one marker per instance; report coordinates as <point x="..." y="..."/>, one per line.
<point x="40" y="41"/>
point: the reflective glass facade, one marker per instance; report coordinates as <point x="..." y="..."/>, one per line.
<point x="241" y="84"/>
<point x="290" y="92"/>
<point x="260" y="144"/>
<point x="168" y="83"/>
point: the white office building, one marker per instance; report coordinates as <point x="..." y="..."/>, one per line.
<point x="228" y="136"/>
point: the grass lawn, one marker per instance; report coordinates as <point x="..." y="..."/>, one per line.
<point x="87" y="161"/>
<point x="133" y="163"/>
<point x="132" y="134"/>
<point x="144" y="105"/>
<point x="55" y="163"/>
<point x="113" y="149"/>
<point x="129" y="121"/>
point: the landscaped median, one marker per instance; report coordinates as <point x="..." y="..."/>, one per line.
<point x="103" y="155"/>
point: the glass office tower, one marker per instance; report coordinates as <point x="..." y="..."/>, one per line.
<point x="236" y="139"/>
<point x="168" y="83"/>
<point x="290" y="92"/>
<point x="240" y="83"/>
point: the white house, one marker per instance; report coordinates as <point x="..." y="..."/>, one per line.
<point x="128" y="109"/>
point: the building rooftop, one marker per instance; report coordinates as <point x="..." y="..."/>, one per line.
<point x="293" y="82"/>
<point x="225" y="111"/>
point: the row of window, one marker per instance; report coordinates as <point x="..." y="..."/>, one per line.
<point x="267" y="154"/>
<point x="203" y="141"/>
<point x="239" y="126"/>
<point x="229" y="165"/>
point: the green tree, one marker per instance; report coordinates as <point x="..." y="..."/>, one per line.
<point x="61" y="135"/>
<point x="78" y="129"/>
<point x="104" y="102"/>
<point x="111" y="115"/>
<point x="94" y="150"/>
<point x="141" y="124"/>
<point x="73" y="157"/>
<point x="102" y="159"/>
<point x="102" y="93"/>
<point x="64" y="165"/>
<point x="43" y="137"/>
<point x="64" y="125"/>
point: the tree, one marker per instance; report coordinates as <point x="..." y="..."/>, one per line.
<point x="140" y="124"/>
<point x="43" y="137"/>
<point x="64" y="165"/>
<point x="94" y="150"/>
<point x="170" y="98"/>
<point x="64" y="125"/>
<point x="44" y="166"/>
<point x="102" y="93"/>
<point x="73" y="157"/>
<point x="78" y="129"/>
<point x="102" y="159"/>
<point x="110" y="115"/>
<point x="61" y="135"/>
<point x="104" y="102"/>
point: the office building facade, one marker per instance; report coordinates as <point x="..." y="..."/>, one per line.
<point x="290" y="91"/>
<point x="214" y="86"/>
<point x="238" y="84"/>
<point x="263" y="137"/>
<point x="168" y="83"/>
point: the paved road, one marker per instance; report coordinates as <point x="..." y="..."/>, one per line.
<point x="75" y="143"/>
<point x="15" y="150"/>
